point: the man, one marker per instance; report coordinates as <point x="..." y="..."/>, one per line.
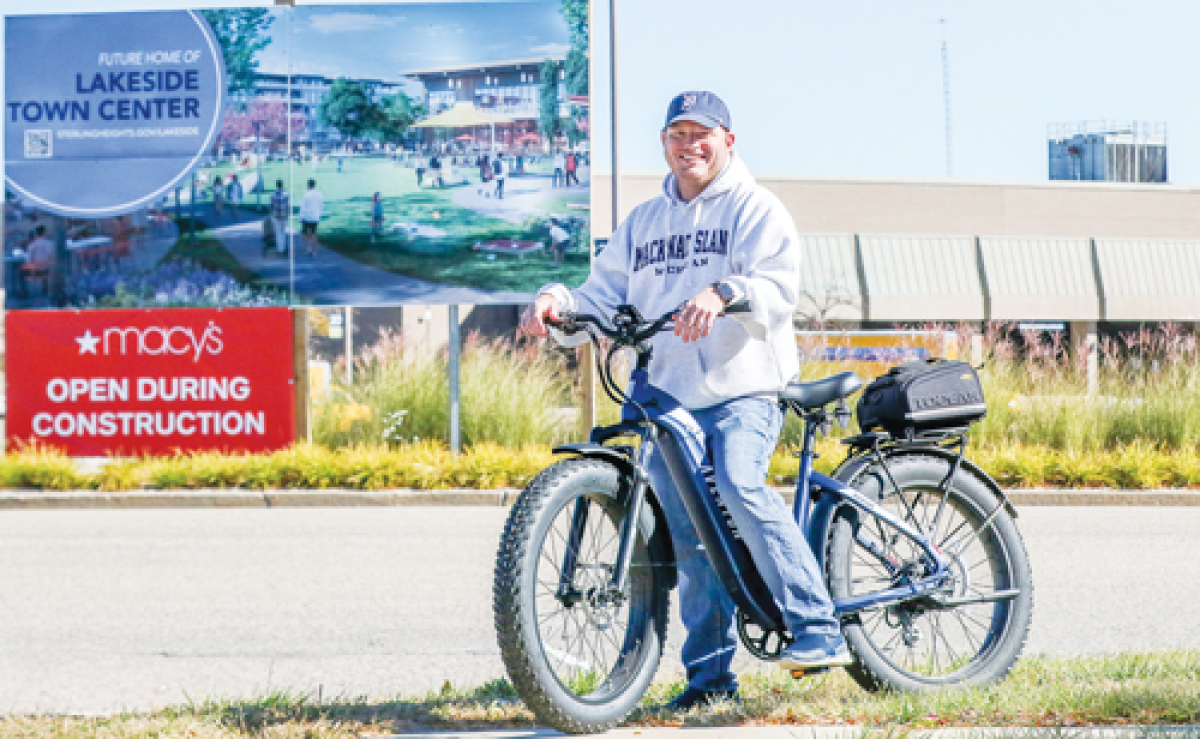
<point x="419" y="163"/>
<point x="712" y="238"/>
<point x="281" y="213"/>
<point x="571" y="164"/>
<point x="311" y="208"/>
<point x="376" y="217"/>
<point x="39" y="260"/>
<point x="234" y="194"/>
<point x="560" y="169"/>
<point x="560" y="239"/>
<point x="500" y="171"/>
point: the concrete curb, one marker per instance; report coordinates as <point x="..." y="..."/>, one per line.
<point x="344" y="497"/>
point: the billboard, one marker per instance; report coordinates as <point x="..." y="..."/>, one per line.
<point x="101" y="382"/>
<point x="318" y="155"/>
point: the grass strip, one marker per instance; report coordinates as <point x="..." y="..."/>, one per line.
<point x="429" y="465"/>
<point x="1042" y="697"/>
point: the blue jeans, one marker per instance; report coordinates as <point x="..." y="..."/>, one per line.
<point x="741" y="434"/>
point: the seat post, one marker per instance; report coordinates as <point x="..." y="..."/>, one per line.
<point x="800" y="505"/>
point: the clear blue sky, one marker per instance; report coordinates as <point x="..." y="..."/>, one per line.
<point x="854" y="88"/>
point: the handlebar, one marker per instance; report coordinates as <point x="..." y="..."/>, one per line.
<point x="628" y="326"/>
<point x="626" y="329"/>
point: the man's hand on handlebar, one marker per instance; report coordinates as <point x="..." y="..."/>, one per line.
<point x="695" y="320"/>
<point x="533" y="320"/>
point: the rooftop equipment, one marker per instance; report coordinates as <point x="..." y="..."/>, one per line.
<point x="1108" y="151"/>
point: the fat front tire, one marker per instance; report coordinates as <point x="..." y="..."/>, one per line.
<point x="580" y="662"/>
<point x="917" y="645"/>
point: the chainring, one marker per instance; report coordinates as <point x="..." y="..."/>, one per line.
<point x="764" y="644"/>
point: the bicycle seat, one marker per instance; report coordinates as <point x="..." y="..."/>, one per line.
<point x="818" y="393"/>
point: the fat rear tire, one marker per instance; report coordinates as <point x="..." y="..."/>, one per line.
<point x="975" y="644"/>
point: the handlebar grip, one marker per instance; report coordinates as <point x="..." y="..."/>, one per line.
<point x="740" y="306"/>
<point x="565" y="323"/>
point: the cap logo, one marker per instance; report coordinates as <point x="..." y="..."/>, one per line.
<point x="688" y="102"/>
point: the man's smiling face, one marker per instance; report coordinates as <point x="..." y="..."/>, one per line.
<point x="696" y="154"/>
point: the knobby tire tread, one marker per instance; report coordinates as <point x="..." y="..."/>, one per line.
<point x="876" y="681"/>
<point x="520" y="658"/>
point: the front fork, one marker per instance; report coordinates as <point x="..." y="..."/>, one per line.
<point x="636" y="501"/>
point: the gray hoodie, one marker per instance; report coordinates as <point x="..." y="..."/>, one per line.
<point x="668" y="250"/>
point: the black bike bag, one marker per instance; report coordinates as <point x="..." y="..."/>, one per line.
<point x="922" y="396"/>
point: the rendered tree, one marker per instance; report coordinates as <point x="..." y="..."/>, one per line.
<point x="396" y="116"/>
<point x="242" y="33"/>
<point x="575" y="13"/>
<point x="271" y="117"/>
<point x="349" y="108"/>
<point x="549" y="124"/>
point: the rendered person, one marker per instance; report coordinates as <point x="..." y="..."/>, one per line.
<point x="500" y="170"/>
<point x="376" y="217"/>
<point x="560" y="169"/>
<point x="234" y="194"/>
<point x="560" y="238"/>
<point x="281" y="213"/>
<point x="40" y="249"/>
<point x="572" y="164"/>
<point x="311" y="209"/>
<point x="218" y="198"/>
<point x="713" y="237"/>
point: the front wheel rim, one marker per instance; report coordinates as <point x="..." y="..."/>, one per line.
<point x="592" y="647"/>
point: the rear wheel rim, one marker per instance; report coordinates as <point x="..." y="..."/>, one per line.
<point x="930" y="644"/>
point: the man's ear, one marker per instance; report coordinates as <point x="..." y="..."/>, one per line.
<point x="729" y="139"/>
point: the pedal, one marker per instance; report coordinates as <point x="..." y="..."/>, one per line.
<point x="797" y="674"/>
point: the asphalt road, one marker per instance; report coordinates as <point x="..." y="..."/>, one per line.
<point x="108" y="610"/>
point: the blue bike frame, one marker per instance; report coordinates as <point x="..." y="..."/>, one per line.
<point x="667" y="427"/>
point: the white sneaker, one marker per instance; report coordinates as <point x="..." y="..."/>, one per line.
<point x="806" y="660"/>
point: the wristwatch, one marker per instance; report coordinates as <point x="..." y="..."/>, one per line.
<point x="725" y="292"/>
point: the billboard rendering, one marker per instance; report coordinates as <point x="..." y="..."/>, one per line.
<point x="315" y="155"/>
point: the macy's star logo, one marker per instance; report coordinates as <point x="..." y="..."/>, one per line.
<point x="87" y="342"/>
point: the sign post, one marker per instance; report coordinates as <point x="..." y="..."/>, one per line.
<point x="300" y="384"/>
<point x="455" y="356"/>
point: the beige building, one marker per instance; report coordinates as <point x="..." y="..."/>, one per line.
<point x="912" y="250"/>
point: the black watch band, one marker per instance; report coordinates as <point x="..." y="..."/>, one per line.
<point x="724" y="291"/>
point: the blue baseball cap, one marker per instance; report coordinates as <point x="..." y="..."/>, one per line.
<point x="700" y="107"/>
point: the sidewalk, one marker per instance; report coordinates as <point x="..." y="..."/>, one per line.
<point x="835" y="732"/>
<point x="345" y="497"/>
<point x="332" y="279"/>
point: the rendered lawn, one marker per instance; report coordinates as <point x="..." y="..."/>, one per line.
<point x="345" y="226"/>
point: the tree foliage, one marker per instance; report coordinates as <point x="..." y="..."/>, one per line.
<point x="349" y="108"/>
<point x="549" y="123"/>
<point x="270" y="115"/>
<point x="242" y="33"/>
<point x="575" y="13"/>
<point x="396" y="115"/>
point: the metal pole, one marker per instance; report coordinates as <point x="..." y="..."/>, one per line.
<point x="612" y="75"/>
<point x="192" y="211"/>
<point x="349" y="346"/>
<point x="454" y="351"/>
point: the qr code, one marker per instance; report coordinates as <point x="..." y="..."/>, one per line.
<point x="39" y="144"/>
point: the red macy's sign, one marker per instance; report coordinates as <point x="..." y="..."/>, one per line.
<point x="102" y="382"/>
